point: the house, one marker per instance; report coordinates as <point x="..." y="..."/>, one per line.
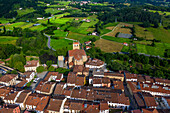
<point x="81" y="70"/>
<point x="56" y="105"/>
<point x="29" y="75"/>
<point x="150" y="110"/>
<point x="149" y="100"/>
<point x="131" y="77"/>
<point x="67" y="91"/>
<point x="1" y="62"/>
<point x="59" y="88"/>
<point x="133" y="87"/>
<point x="8" y="79"/>
<point x="36" y="102"/>
<point x="118" y="85"/>
<point x="98" y="72"/>
<point x="161" y="81"/>
<point x="75" y="80"/>
<point x="94" y="63"/>
<point x="42" y="104"/>
<point x="5" y="91"/>
<point x="104" y="107"/>
<point x="10" y="108"/>
<point x="126" y="44"/>
<point x="155" y="89"/>
<point x="54" y="76"/>
<point x="45" y="87"/>
<point x="114" y="75"/>
<point x="12" y="97"/>
<point x="40" y="18"/>
<point x="31" y="65"/>
<point x="88" y="47"/>
<point x="76" y="56"/>
<point x="22" y="98"/>
<point x="87" y="43"/>
<point x="92" y="108"/>
<point x="94" y="33"/>
<point x="100" y="81"/>
<point x="22" y="84"/>
<point x="73" y="106"/>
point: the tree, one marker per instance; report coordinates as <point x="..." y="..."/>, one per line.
<point x="51" y="68"/>
<point x="49" y="63"/>
<point x="19" y="66"/>
<point x="4" y="30"/>
<point x="146" y="24"/>
<point x="167" y="53"/>
<point x="40" y="69"/>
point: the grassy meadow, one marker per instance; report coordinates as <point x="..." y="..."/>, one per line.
<point x="108" y="46"/>
<point x="61" y="43"/>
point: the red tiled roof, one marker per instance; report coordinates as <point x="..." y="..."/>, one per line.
<point x="32" y="63"/>
<point x="8" y="77"/>
<point x="42" y="104"/>
<point x="75" y="42"/>
<point x="150" y="101"/>
<point x="155" y="88"/>
<point x="118" y="85"/>
<point x="104" y="106"/>
<point x="54" y="105"/>
<point x="59" y="89"/>
<point x="1" y="62"/>
<point x="95" y="62"/>
<point x="77" y="53"/>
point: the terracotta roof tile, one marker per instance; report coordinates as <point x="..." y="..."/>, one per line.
<point x="77" y="53"/>
<point x="95" y="62"/>
<point x="8" y="77"/>
<point x="54" y="105"/>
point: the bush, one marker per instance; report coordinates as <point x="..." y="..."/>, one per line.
<point x="40" y="69"/>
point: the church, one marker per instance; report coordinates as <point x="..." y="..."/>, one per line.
<point x="76" y="56"/>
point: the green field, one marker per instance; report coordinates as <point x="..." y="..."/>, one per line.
<point x="4" y="20"/>
<point x="125" y="49"/>
<point x="81" y="30"/>
<point x="160" y="12"/>
<point x="160" y="34"/>
<point x="159" y="49"/>
<point x="8" y="40"/>
<point x="60" y="33"/>
<point x="108" y="46"/>
<point x="63" y="2"/>
<point x="52" y="10"/>
<point x="61" y="43"/>
<point x="28" y="25"/>
<point x="82" y="38"/>
<point x="38" y="28"/>
<point x="25" y="11"/>
<point x="92" y="22"/>
<point x="116" y="39"/>
<point x="61" y="20"/>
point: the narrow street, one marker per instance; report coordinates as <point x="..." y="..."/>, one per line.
<point x="133" y="103"/>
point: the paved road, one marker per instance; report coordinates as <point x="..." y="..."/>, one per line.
<point x="133" y="104"/>
<point x="41" y="76"/>
<point x="7" y="68"/>
<point x="49" y="41"/>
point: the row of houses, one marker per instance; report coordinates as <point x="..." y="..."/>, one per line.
<point x="149" y="92"/>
